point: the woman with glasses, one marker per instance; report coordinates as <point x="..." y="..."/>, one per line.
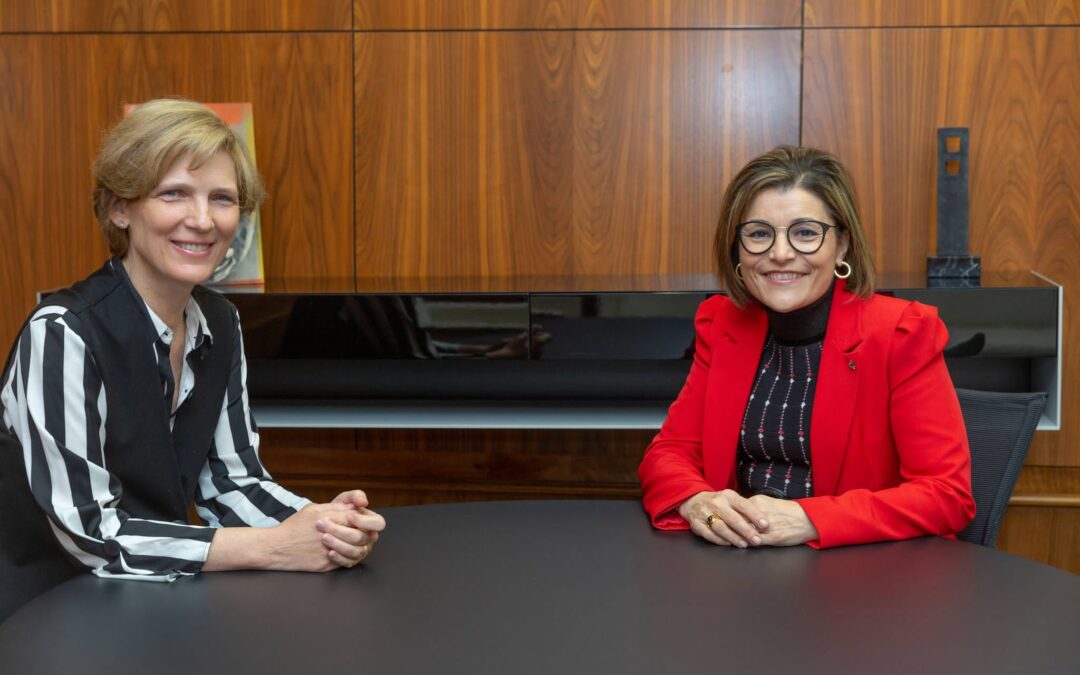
<point x="815" y="411"/>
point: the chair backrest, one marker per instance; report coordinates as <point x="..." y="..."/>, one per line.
<point x="999" y="429"/>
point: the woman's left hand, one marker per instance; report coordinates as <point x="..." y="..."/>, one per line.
<point x="788" y="523"/>
<point x="350" y="533"/>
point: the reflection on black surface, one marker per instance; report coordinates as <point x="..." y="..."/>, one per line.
<point x="1011" y="321"/>
<point x="353" y="327"/>
<point x="606" y="327"/>
<point x="359" y="327"/>
<point x="973" y="346"/>
<point x="618" y="326"/>
<point x="619" y="345"/>
<point x="592" y="326"/>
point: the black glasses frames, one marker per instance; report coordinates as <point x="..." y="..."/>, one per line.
<point x="806" y="236"/>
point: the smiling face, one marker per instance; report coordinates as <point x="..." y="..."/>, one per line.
<point x="180" y="232"/>
<point x="783" y="279"/>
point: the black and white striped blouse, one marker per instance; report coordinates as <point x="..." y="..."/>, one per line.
<point x="51" y="398"/>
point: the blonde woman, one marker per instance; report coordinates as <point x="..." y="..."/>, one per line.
<point x="125" y="395"/>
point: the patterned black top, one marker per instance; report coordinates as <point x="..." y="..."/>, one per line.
<point x="773" y="457"/>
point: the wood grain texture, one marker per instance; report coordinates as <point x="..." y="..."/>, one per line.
<point x="1047" y="535"/>
<point x="1038" y="481"/>
<point x="463" y="154"/>
<point x="1057" y="486"/>
<point x="61" y="92"/>
<point x="563" y="14"/>
<point x="634" y="14"/>
<point x="876" y="99"/>
<point x="462" y="14"/>
<point x="836" y="13"/>
<point x="662" y="121"/>
<point x="555" y="153"/>
<point x="384" y="493"/>
<point x="430" y="466"/>
<point x="46" y="149"/>
<point x="117" y="16"/>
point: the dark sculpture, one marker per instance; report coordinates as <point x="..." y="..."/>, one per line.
<point x="953" y="265"/>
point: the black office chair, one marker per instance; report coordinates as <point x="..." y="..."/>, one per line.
<point x="999" y="428"/>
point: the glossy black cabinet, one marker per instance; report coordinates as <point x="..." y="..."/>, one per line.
<point x="532" y="344"/>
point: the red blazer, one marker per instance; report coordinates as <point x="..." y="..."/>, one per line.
<point x="888" y="447"/>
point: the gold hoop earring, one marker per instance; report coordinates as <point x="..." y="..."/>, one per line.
<point x="738" y="272"/>
<point x="847" y="270"/>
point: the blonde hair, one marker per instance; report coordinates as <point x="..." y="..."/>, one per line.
<point x="141" y="148"/>
<point x="783" y="168"/>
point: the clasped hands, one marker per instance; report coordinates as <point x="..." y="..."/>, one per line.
<point x="340" y="533"/>
<point x="747" y="521"/>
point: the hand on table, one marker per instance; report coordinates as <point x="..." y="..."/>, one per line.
<point x="728" y="519"/>
<point x="725" y="518"/>
<point x="296" y="544"/>
<point x="788" y="523"/>
<point x="317" y="538"/>
<point x="351" y="529"/>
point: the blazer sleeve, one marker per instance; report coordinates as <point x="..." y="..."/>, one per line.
<point x="934" y="495"/>
<point x="672" y="469"/>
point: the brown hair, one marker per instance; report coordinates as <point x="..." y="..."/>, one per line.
<point x="141" y="148"/>
<point x="786" y="167"/>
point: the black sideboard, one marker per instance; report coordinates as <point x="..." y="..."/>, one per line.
<point x="600" y="352"/>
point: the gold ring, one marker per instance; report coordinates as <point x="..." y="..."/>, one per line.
<point x="712" y="519"/>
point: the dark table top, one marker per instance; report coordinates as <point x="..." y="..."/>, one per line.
<point x="571" y="587"/>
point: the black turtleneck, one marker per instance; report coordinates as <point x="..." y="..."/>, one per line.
<point x="803" y="325"/>
<point x="773" y="457"/>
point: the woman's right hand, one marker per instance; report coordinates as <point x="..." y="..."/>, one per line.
<point x="298" y="544"/>
<point x="736" y="521"/>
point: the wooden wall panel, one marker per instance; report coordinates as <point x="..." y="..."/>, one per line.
<point x="1048" y="535"/>
<point x="561" y="14"/>
<point x="462" y="14"/>
<point x="836" y="13"/>
<point x="637" y="14"/>
<point x="47" y="143"/>
<point x="569" y="153"/>
<point x="463" y="153"/>
<point x="93" y="16"/>
<point x="384" y="494"/>
<point x="662" y="120"/>
<point x="1043" y="519"/>
<point x="877" y="97"/>
<point x="61" y="92"/>
<point x="1045" y="484"/>
<point x="406" y="467"/>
